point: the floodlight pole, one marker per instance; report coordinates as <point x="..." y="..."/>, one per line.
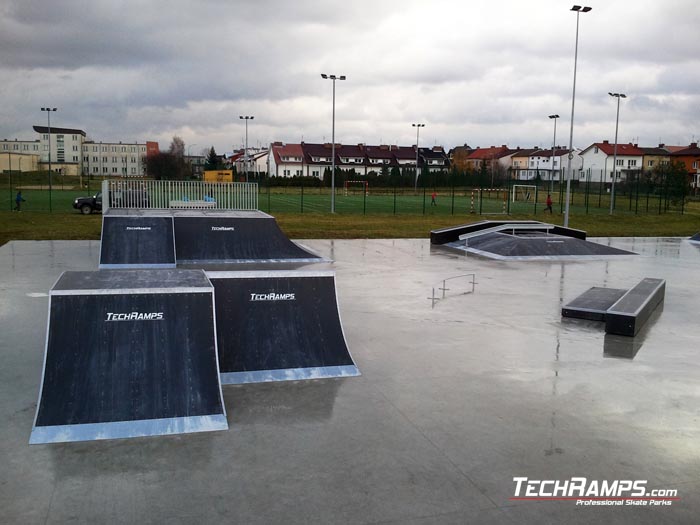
<point x="578" y="9"/>
<point x="417" y="126"/>
<point x="48" y="114"/>
<point x="333" y="78"/>
<point x="245" y="154"/>
<point x="554" y="141"/>
<point x="618" y="96"/>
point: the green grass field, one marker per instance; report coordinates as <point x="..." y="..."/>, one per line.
<point x="381" y="214"/>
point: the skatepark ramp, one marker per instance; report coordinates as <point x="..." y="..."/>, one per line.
<point x="137" y="242"/>
<point x="695" y="238"/>
<point x="166" y="238"/>
<point x="129" y="353"/>
<point x="279" y="326"/>
<point x="521" y="240"/>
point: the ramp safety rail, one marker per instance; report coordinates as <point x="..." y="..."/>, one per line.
<point x="167" y="194"/>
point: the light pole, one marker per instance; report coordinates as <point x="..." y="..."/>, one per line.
<point x="618" y="96"/>
<point x="578" y="9"/>
<point x="554" y="142"/>
<point x="189" y="158"/>
<point x="417" y="126"/>
<point x="333" y="78"/>
<point x="245" y="155"/>
<point x="48" y="114"/>
<point x="9" y="156"/>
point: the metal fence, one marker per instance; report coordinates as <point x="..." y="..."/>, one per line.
<point x="165" y="194"/>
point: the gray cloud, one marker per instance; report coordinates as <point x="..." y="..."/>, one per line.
<point x="483" y="72"/>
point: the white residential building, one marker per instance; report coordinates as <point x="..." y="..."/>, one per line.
<point x="598" y="161"/>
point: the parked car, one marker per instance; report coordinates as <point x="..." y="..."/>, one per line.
<point x="87" y="205"/>
<point x="128" y="198"/>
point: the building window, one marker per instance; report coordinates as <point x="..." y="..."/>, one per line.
<point x="650" y="163"/>
<point x="133" y="171"/>
<point x="105" y="170"/>
<point x="86" y="159"/>
<point x="75" y="137"/>
<point x="595" y="150"/>
<point x="35" y="147"/>
<point x="631" y="163"/>
<point x="114" y="159"/>
<point x="620" y="162"/>
<point x="114" y="170"/>
<point x="695" y="165"/>
<point x="104" y="159"/>
<point x="95" y="169"/>
<point x="25" y="147"/>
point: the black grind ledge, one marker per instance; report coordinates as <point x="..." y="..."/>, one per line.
<point x="624" y="312"/>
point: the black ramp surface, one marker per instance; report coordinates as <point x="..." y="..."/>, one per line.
<point x="137" y="242"/>
<point x="275" y="326"/>
<point x="696" y="237"/>
<point x="593" y="303"/>
<point x="533" y="246"/>
<point x="233" y="239"/>
<point x="124" y="365"/>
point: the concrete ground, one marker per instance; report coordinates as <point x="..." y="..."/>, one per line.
<point x="456" y="399"/>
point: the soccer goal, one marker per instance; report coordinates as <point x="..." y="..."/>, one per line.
<point x="351" y="186"/>
<point x="524" y="192"/>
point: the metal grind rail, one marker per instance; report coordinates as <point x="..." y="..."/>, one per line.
<point x="442" y="287"/>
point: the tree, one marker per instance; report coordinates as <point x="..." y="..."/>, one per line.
<point x="165" y="166"/>
<point x="212" y="162"/>
<point x="177" y="147"/>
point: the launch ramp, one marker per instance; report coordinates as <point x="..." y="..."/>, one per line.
<point x="129" y="353"/>
<point x="279" y="325"/>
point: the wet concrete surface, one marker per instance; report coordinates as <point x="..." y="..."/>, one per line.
<point x="457" y="398"/>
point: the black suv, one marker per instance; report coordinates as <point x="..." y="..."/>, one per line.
<point x="87" y="205"/>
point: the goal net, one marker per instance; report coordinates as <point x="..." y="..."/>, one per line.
<point x="523" y="192"/>
<point x="353" y="186"/>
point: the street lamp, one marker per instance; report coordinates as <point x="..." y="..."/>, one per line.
<point x="578" y="9"/>
<point x="554" y="141"/>
<point x="417" y="126"/>
<point x="333" y="78"/>
<point x="48" y="114"/>
<point x="245" y="155"/>
<point x="618" y="96"/>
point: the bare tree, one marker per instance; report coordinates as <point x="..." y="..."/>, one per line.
<point x="177" y="147"/>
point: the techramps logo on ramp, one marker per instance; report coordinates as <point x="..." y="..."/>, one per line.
<point x="272" y="296"/>
<point x="135" y="316"/>
<point x="223" y="229"/>
<point x="138" y="228"/>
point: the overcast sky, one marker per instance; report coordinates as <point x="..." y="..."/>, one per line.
<point x="478" y="72"/>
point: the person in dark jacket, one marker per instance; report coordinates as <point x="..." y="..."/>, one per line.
<point x="18" y="201"/>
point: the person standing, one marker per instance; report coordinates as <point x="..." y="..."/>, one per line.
<point x="549" y="204"/>
<point x="433" y="202"/>
<point x="18" y="201"/>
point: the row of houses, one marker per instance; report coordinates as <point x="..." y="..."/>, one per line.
<point x="73" y="153"/>
<point x="312" y="160"/>
<point x="594" y="163"/>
